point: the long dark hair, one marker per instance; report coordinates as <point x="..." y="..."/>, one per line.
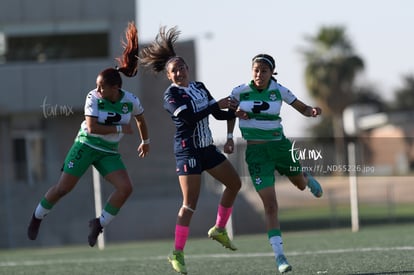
<point x="128" y="61"/>
<point x="158" y="54"/>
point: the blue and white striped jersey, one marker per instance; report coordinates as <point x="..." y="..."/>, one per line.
<point x="189" y="108"/>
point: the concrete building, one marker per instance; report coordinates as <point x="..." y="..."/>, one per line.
<point x="50" y="54"/>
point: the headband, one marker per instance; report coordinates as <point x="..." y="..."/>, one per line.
<point x="261" y="58"/>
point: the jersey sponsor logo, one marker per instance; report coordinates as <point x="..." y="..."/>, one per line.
<point x="112" y="118"/>
<point x="192" y="162"/>
<point x="259" y="106"/>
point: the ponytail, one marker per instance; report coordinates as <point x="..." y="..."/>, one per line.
<point x="157" y="55"/>
<point x="128" y="62"/>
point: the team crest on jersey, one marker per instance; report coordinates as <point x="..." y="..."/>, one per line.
<point x="258" y="181"/>
<point x="124" y="108"/>
<point x="273" y="96"/>
<point x="70" y="164"/>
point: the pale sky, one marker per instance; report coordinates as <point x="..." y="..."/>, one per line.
<point x="229" y="33"/>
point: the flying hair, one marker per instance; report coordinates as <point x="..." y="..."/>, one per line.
<point x="159" y="52"/>
<point x="128" y="62"/>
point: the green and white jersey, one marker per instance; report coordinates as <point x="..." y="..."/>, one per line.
<point x="263" y="108"/>
<point x="108" y="113"/>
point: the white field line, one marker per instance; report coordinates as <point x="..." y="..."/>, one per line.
<point x="203" y="256"/>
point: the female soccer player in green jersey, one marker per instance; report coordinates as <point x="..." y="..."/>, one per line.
<point x="108" y="113"/>
<point x="268" y="149"/>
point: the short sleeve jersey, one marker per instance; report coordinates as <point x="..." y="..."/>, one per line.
<point x="108" y="113"/>
<point x="263" y="108"/>
<point x="196" y="98"/>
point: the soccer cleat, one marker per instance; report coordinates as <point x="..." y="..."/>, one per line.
<point x="314" y="186"/>
<point x="95" y="229"/>
<point x="221" y="236"/>
<point x="176" y="258"/>
<point x="33" y="228"/>
<point x="282" y="264"/>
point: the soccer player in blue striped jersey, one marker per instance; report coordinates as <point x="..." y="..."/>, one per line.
<point x="268" y="149"/>
<point x="189" y="104"/>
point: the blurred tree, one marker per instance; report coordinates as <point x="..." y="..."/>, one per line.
<point x="330" y="71"/>
<point x="404" y="101"/>
<point x="366" y="94"/>
<point x="404" y="96"/>
<point x="323" y="129"/>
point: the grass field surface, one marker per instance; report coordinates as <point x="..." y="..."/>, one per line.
<point x="374" y="250"/>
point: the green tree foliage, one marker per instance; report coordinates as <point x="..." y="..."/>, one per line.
<point x="404" y="96"/>
<point x="331" y="68"/>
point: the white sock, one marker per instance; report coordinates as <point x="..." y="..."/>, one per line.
<point x="277" y="245"/>
<point x="105" y="218"/>
<point x="41" y="212"/>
